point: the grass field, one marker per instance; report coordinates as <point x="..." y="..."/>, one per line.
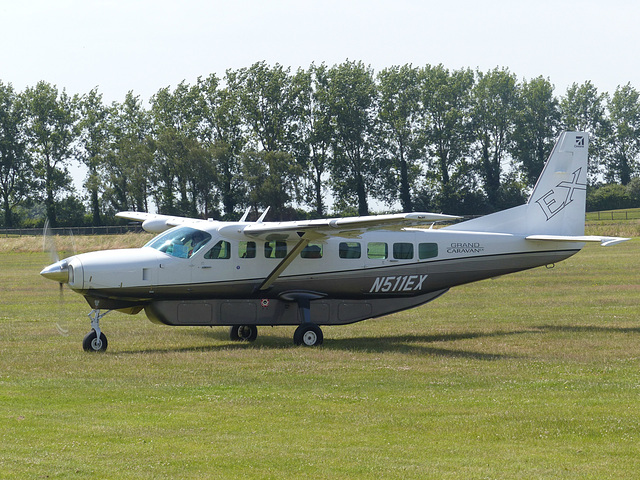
<point x="532" y="375"/>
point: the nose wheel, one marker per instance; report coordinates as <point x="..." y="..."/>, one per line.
<point x="92" y="343"/>
<point x="95" y="340"/>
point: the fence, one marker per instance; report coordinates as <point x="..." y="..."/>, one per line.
<point x="109" y="230"/>
<point x="633" y="214"/>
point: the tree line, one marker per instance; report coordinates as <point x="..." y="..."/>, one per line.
<point x="307" y="143"/>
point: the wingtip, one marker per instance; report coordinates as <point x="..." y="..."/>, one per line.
<point x="608" y="241"/>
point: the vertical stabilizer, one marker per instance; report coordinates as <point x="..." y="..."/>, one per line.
<point x="556" y="205"/>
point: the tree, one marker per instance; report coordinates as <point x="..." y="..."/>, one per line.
<point x="494" y="106"/>
<point x="445" y="99"/>
<point x="313" y="133"/>
<point x="633" y="192"/>
<point x="583" y="109"/>
<point x="178" y="153"/>
<point x="352" y="102"/>
<point x="623" y="139"/>
<point x="536" y="127"/>
<point x="271" y="177"/>
<point x="94" y="141"/>
<point x="222" y="134"/>
<point x="269" y="107"/>
<point x="51" y="131"/>
<point x="608" y="197"/>
<point x="130" y="155"/>
<point x="398" y="112"/>
<point x="266" y="98"/>
<point x="16" y="171"/>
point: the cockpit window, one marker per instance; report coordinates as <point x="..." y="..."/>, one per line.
<point x="181" y="242"/>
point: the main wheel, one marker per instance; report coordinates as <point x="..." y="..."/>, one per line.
<point x="92" y="343"/>
<point x="308" y="334"/>
<point x="243" y="333"/>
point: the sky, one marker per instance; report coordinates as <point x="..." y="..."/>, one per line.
<point x="145" y="45"/>
<point x="142" y="46"/>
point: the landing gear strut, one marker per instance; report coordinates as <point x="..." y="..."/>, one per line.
<point x="308" y="333"/>
<point x="95" y="340"/>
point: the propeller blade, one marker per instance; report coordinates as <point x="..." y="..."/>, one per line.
<point x="57" y="271"/>
<point x="48" y="243"/>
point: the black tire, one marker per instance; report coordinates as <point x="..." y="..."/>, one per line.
<point x="243" y="333"/>
<point x="92" y="344"/>
<point x="309" y="335"/>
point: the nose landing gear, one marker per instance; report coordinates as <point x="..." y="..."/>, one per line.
<point x="95" y="340"/>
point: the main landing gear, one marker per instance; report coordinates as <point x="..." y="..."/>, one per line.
<point x="307" y="334"/>
<point x="95" y="340"/>
<point x="243" y="333"/>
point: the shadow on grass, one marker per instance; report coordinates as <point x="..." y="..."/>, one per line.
<point x="587" y="329"/>
<point x="423" y="344"/>
<point x="409" y="344"/>
<point x="202" y="348"/>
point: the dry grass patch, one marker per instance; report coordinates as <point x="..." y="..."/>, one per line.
<point x="70" y="244"/>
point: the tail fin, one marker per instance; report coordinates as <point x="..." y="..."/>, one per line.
<point x="556" y="205"/>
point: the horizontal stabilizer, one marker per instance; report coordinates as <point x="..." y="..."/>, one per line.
<point x="604" y="241"/>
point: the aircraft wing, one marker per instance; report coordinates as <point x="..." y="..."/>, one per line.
<point x="346" y="226"/>
<point x="156" y="223"/>
<point x="321" y="228"/>
<point x="604" y="241"/>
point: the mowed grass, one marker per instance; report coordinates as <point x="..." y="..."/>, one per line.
<point x="531" y="375"/>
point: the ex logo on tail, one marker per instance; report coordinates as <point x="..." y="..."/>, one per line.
<point x="552" y="202"/>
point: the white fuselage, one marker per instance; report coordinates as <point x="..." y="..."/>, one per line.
<point x="380" y="263"/>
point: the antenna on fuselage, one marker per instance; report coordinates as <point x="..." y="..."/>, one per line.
<point x="263" y="215"/>
<point x="246" y="214"/>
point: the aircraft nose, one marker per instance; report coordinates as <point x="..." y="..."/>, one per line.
<point x="58" y="271"/>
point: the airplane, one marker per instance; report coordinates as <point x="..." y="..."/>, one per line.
<point x="333" y="271"/>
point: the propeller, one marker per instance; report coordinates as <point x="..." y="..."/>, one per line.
<point x="58" y="270"/>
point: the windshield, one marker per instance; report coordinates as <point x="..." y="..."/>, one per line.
<point x="181" y="242"/>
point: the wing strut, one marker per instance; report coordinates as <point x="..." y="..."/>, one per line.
<point x="286" y="261"/>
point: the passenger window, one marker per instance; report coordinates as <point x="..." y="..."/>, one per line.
<point x="403" y="251"/>
<point x="313" y="250"/>
<point x="247" y="250"/>
<point x="349" y="250"/>
<point x="221" y="250"/>
<point x="427" y="250"/>
<point x="275" y="249"/>
<point x="377" y="250"/>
